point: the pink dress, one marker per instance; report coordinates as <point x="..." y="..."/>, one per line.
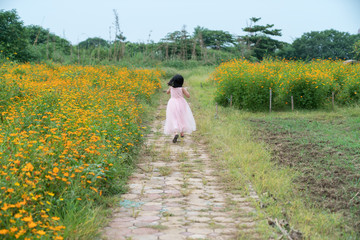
<point x="179" y="118"/>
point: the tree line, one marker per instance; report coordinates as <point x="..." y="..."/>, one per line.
<point x="34" y="43"/>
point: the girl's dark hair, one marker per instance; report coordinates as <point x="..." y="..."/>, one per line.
<point x="176" y="81"/>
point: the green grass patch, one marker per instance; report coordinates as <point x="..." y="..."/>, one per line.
<point x="324" y="148"/>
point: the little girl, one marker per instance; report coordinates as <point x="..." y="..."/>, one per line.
<point x="179" y="118"/>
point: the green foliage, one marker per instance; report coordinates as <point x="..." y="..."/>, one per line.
<point x="259" y="39"/>
<point x="93" y="43"/>
<point x="310" y="84"/>
<point x="214" y="39"/>
<point x="38" y="36"/>
<point x="324" y="44"/>
<point x="356" y="49"/>
<point x="13" y="41"/>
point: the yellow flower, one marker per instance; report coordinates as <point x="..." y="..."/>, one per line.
<point x="27" y="219"/>
<point x="32" y="224"/>
<point x="4" y="231"/>
<point x="28" y="167"/>
<point x="10" y="190"/>
<point x="40" y="232"/>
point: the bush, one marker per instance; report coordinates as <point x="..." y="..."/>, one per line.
<point x="310" y="84"/>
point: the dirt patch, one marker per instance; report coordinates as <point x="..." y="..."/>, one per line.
<point x="325" y="178"/>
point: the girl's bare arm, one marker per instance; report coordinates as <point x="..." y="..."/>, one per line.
<point x="185" y="92"/>
<point x="168" y="91"/>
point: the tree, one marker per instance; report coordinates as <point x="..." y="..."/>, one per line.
<point x="38" y="36"/>
<point x="325" y="44"/>
<point x="259" y="39"/>
<point x="179" y="43"/>
<point x="356" y="51"/>
<point x="93" y="43"/>
<point x="287" y="51"/>
<point x="13" y="41"/>
<point x="214" y="39"/>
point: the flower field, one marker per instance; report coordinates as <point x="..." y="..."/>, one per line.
<point x="67" y="136"/>
<point x="311" y="84"/>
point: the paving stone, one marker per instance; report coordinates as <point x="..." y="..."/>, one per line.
<point x="151" y="196"/>
<point x="153" y="203"/>
<point x="151" y="207"/>
<point x="225" y="230"/>
<point x="187" y="234"/>
<point x="198" y="225"/>
<point x="172" y="237"/>
<point x="130" y="196"/>
<point x="123" y="219"/>
<point x="193" y="213"/>
<point x="145" y="237"/>
<point x="143" y="231"/>
<point x="116" y="233"/>
<point x="152" y="191"/>
<point x="149" y="213"/>
<point x="120" y="224"/>
<point x="223" y="219"/>
<point x="140" y="224"/>
<point x="151" y="218"/>
<point x="200" y="219"/>
<point x="172" y="220"/>
<point x="197" y="208"/>
<point x="198" y="236"/>
<point x="175" y="231"/>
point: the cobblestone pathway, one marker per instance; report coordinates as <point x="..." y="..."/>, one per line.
<point x="175" y="194"/>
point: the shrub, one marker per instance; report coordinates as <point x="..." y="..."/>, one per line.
<point x="310" y="84"/>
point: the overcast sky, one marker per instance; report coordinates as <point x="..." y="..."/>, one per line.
<point x="143" y="20"/>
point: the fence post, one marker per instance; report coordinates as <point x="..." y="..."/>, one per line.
<point x="270" y="99"/>
<point x="230" y="100"/>
<point x="216" y="114"/>
<point x="292" y="103"/>
<point x="333" y="100"/>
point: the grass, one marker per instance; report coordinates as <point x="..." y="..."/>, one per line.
<point x="165" y="171"/>
<point x="324" y="147"/>
<point x="241" y="143"/>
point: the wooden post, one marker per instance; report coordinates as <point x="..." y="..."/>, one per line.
<point x="216" y="114"/>
<point x="230" y="100"/>
<point x="201" y="85"/>
<point x="270" y="99"/>
<point x="333" y="100"/>
<point x="292" y="103"/>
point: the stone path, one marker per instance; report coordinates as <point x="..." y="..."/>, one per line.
<point x="176" y="194"/>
